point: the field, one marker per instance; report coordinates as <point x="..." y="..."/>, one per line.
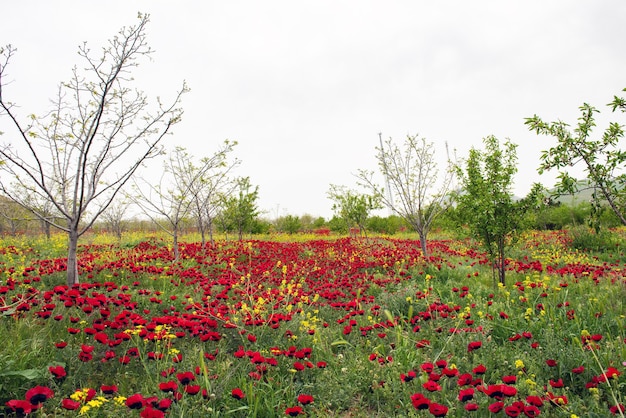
<point x="332" y="327"/>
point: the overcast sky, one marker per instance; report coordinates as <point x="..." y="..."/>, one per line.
<point x="305" y="87"/>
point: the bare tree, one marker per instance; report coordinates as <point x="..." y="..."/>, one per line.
<point x="98" y="133"/>
<point x="414" y="191"/>
<point x="168" y="202"/>
<point x="114" y="217"/>
<point x="208" y="183"/>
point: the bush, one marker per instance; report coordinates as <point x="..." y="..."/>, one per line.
<point x="584" y="238"/>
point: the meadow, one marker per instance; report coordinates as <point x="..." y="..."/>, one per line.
<point x="312" y="326"/>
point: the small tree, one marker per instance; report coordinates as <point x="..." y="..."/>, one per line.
<point x="208" y="183"/>
<point x="353" y="207"/>
<point x="98" y="133"/>
<point x="113" y="217"/>
<point x="601" y="158"/>
<point x="415" y="192"/>
<point x="485" y="201"/>
<point x="169" y="202"/>
<point x="240" y="208"/>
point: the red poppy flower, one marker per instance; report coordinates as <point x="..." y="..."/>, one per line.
<point x="410" y="375"/>
<point x="294" y="411"/>
<point x="164" y="404"/>
<point x="70" y="404"/>
<point x="170" y="386"/>
<point x="556" y="383"/>
<point x="474" y="345"/>
<point x="531" y="411"/>
<point x="191" y="389"/>
<point x="471" y="407"/>
<point x="135" y="401"/>
<point x="419" y="401"/>
<point x="534" y="401"/>
<point x="509" y="380"/>
<point x="150" y="412"/>
<point x="185" y="378"/>
<point x="108" y="389"/>
<point x="438" y="410"/>
<point x="237" y="393"/>
<point x="19" y="407"/>
<point x="496" y="407"/>
<point x="615" y="409"/>
<point x="305" y="399"/>
<point x="551" y="363"/>
<point x="466" y="394"/>
<point x="58" y="372"/>
<point x="39" y="394"/>
<point x="512" y="411"/>
<point x="432" y="386"/>
<point x="480" y="369"/>
<point x="578" y="370"/>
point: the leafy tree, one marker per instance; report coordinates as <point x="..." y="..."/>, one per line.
<point x="290" y="224"/>
<point x="414" y="190"/>
<point x="240" y="208"/>
<point x="601" y="157"/>
<point x="485" y="202"/>
<point x="353" y="207"/>
<point x="99" y="131"/>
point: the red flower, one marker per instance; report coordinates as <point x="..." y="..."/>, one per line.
<point x="474" y="345"/>
<point x="531" y="411"/>
<point x="237" y="393"/>
<point x="431" y="386"/>
<point x="509" y="379"/>
<point x="39" y="394"/>
<point x="480" y="369"/>
<point x="419" y="401"/>
<point x="513" y="410"/>
<point x="108" y="389"/>
<point x="466" y="394"/>
<point x="471" y="407"/>
<point x="70" y="404"/>
<point x="556" y="383"/>
<point x="170" y="386"/>
<point x="191" y="389"/>
<point x="135" y="401"/>
<point x="438" y="410"/>
<point x="551" y="363"/>
<point x="496" y="407"/>
<point x="150" y="412"/>
<point x="58" y="372"/>
<point x="305" y="399"/>
<point x="294" y="411"/>
<point x="185" y="378"/>
<point x="19" y="406"/>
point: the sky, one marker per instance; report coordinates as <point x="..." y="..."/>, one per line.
<point x="305" y="87"/>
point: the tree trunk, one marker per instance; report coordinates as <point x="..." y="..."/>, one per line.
<point x="423" y="243"/>
<point x="201" y="228"/>
<point x="72" y="259"/>
<point x="501" y="261"/>
<point x="175" y="245"/>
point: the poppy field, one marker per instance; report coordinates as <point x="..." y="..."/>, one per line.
<point x="312" y="326"/>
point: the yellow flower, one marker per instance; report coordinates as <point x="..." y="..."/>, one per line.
<point x="519" y="364"/>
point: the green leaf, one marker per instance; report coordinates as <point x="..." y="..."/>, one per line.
<point x="29" y="374"/>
